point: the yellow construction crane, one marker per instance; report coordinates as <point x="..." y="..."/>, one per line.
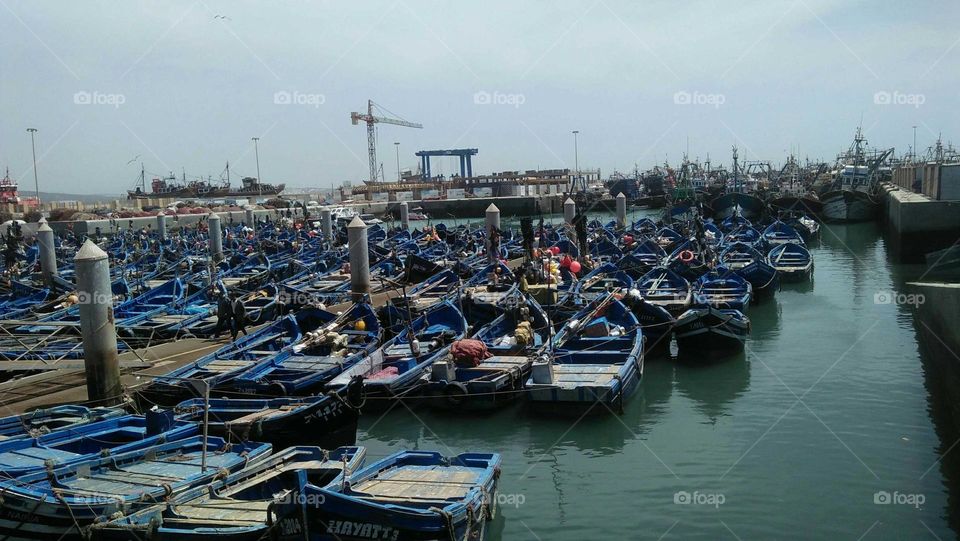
<point x="370" y="120"/>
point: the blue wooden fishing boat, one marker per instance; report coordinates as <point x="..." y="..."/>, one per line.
<point x="656" y="322"/>
<point x="792" y="261"/>
<point x="328" y="420"/>
<point x="63" y="502"/>
<point x="645" y="256"/>
<point x="808" y="228"/>
<point x="221" y="366"/>
<point x="708" y="330"/>
<point x="406" y="496"/>
<point x="238" y="507"/>
<point x="781" y="233"/>
<point x="735" y="221"/>
<point x="482" y="384"/>
<point x="747" y="235"/>
<point x="21" y="300"/>
<point x="736" y="255"/>
<point x="668" y="239"/>
<point x="487" y="293"/>
<point x="401" y="366"/>
<point x="596" y="358"/>
<point x="597" y="283"/>
<point x="764" y="279"/>
<point x="689" y="259"/>
<point x="43" y="421"/>
<point x="84" y="442"/>
<point x="664" y="287"/>
<point x="752" y="266"/>
<point x="338" y="343"/>
<point x="722" y="288"/>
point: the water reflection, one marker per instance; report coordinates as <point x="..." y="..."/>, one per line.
<point x="715" y="386"/>
<point x="765" y="319"/>
<point x="602" y="432"/>
<point x="859" y="239"/>
<point x="941" y="378"/>
<point x="447" y="429"/>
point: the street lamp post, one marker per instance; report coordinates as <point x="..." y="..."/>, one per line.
<point x="396" y="145"/>
<point x="576" y="157"/>
<point x="33" y="147"/>
<point x="256" y="152"/>
<point x="914" y="143"/>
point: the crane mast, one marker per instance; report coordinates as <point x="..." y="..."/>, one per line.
<point x="370" y="120"/>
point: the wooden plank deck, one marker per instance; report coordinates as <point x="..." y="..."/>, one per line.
<point x="67" y="384"/>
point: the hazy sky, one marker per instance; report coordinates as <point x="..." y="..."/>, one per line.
<point x="187" y="84"/>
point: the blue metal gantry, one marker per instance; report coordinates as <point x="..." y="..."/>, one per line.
<point x="465" y="154"/>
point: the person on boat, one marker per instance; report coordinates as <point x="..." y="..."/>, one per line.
<point x="239" y="312"/>
<point x="224" y="314"/>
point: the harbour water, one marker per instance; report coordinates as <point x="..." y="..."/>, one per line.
<point x="824" y="428"/>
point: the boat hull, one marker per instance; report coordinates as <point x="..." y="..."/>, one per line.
<point x="844" y="206"/>
<point x="583" y="400"/>
<point x="724" y="206"/>
<point x="708" y="330"/>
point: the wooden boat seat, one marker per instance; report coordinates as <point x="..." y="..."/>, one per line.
<point x="503" y="363"/>
<point x="251" y="418"/>
<point x="578" y="375"/>
<point x="221" y="366"/>
<point x="431" y="483"/>
<point x="225" y="510"/>
<point x="311" y="362"/>
<point x="171" y="318"/>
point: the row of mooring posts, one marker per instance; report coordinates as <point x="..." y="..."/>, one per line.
<point x="162" y="221"/>
<point x="97" y="326"/>
<point x="570" y="210"/>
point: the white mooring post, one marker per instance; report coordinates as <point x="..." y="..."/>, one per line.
<point x="359" y="258"/>
<point x="326" y="224"/>
<point x="216" y="237"/>
<point x="621" y="210"/>
<point x="96" y="324"/>
<point x="492" y="222"/>
<point x="48" y="252"/>
<point x="569" y="211"/>
<point x="405" y="215"/>
<point x="162" y="225"/>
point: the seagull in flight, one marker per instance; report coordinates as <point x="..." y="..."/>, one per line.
<point x="135" y="158"/>
<point x="224" y="17"/>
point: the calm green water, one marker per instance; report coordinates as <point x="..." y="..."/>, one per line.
<point x="827" y="407"/>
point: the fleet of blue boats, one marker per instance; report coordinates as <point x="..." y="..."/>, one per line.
<point x="257" y="439"/>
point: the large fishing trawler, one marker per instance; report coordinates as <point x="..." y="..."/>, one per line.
<point x="169" y="186"/>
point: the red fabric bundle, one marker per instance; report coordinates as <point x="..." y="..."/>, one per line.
<point x="469" y="352"/>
